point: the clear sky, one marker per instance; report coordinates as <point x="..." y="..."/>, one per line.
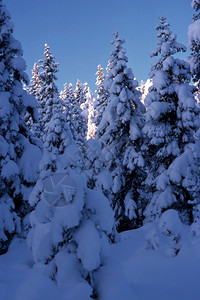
<point x="79" y="32"/>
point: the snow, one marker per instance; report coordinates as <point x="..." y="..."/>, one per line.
<point x="29" y="162"/>
<point x="64" y="217"/>
<point x="194" y="32"/>
<point x="15" y="44"/>
<point x="160" y="79"/>
<point x="10" y="169"/>
<point x="130" y="206"/>
<point x="195" y="4"/>
<point x="3" y="147"/>
<point x="70" y="251"/>
<point x="180" y="166"/>
<point x="19" y="64"/>
<point x="30" y="101"/>
<point x="89" y="245"/>
<point x="105" y="179"/>
<point x="169" y="222"/>
<point x="5" y="106"/>
<point x="104" y="216"/>
<point x="133" y="270"/>
<point x="7" y="219"/>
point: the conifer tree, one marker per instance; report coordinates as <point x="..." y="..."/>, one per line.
<point x="78" y="117"/>
<point x="102" y="96"/>
<point x="32" y="120"/>
<point x="194" y="43"/>
<point x="78" y="93"/>
<point x="47" y="89"/>
<point x="87" y="100"/>
<point x="119" y="132"/>
<point x="67" y="95"/>
<point x="67" y="214"/>
<point x="72" y="237"/>
<point x="64" y="93"/>
<point x="35" y="83"/>
<point x="18" y="153"/>
<point x="68" y="101"/>
<point x="91" y="128"/>
<point x="70" y="107"/>
<point x="87" y="108"/>
<point x="57" y="137"/>
<point x="171" y="121"/>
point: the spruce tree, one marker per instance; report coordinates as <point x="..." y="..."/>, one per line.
<point x="171" y="122"/>
<point x="102" y="96"/>
<point x="87" y="99"/>
<point x="18" y="153"/>
<point x="32" y="120"/>
<point x="67" y="215"/>
<point x="78" y="117"/>
<point x="64" y="93"/>
<point x="35" y="83"/>
<point x="72" y="238"/>
<point x="119" y="133"/>
<point x="68" y="101"/>
<point x="57" y="137"/>
<point x="87" y="108"/>
<point x="194" y="43"/>
<point x="78" y="93"/>
<point x="47" y="89"/>
<point x="91" y="128"/>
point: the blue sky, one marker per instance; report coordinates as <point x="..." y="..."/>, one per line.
<point x="79" y="32"/>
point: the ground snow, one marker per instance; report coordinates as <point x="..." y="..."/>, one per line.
<point x="132" y="271"/>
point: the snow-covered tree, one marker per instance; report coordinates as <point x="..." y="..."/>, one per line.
<point x="172" y="118"/>
<point x="90" y="124"/>
<point x="87" y="108"/>
<point x="19" y="155"/>
<point x="119" y="133"/>
<point x="99" y="177"/>
<point x="70" y="239"/>
<point x="57" y="137"/>
<point x="34" y="86"/>
<point x="194" y="44"/>
<point x="33" y="120"/>
<point x="87" y="101"/>
<point x="47" y="90"/>
<point x="78" y="93"/>
<point x="102" y="96"/>
<point x="78" y="117"/>
<point x="144" y="89"/>
<point x="72" y="226"/>
<point x="67" y="95"/>
<point x="64" y="93"/>
<point x="60" y="151"/>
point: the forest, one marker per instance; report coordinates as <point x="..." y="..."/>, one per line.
<point x="86" y="177"/>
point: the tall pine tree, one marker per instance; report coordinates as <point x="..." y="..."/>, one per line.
<point x="194" y="43"/>
<point x="67" y="215"/>
<point x="102" y="96"/>
<point x="171" y="121"/>
<point x="33" y="120"/>
<point x="119" y="133"/>
<point x="19" y="155"/>
<point x="78" y="117"/>
<point x="46" y="89"/>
